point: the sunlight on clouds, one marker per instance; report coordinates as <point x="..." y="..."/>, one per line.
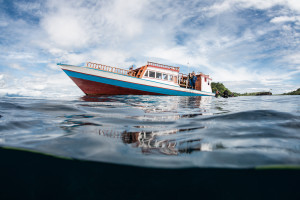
<point x="283" y="19"/>
<point x="2" y="81"/>
<point x="294" y="5"/>
<point x="65" y="30"/>
<point x="125" y="16"/>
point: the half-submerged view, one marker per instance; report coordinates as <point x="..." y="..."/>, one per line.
<point x="150" y="79"/>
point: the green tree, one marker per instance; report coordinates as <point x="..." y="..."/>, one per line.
<point x="220" y="87"/>
<point x="296" y="92"/>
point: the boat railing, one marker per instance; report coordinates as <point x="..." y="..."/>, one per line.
<point x="162" y="66"/>
<point x="110" y="69"/>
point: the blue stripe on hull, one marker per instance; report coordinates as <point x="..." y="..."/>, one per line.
<point x="130" y="85"/>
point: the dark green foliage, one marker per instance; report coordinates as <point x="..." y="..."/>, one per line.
<point x="220" y="87"/>
<point x="296" y="92"/>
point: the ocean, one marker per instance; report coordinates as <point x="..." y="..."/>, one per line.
<point x="155" y="132"/>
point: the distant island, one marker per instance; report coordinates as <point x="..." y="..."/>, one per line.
<point x="296" y="92"/>
<point x="255" y="94"/>
<point x="221" y="88"/>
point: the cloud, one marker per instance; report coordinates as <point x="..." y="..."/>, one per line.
<point x="2" y="82"/>
<point x="16" y="66"/>
<point x="293" y="58"/>
<point x="257" y="86"/>
<point x="66" y="30"/>
<point x="283" y="19"/>
<point x="40" y="86"/>
<point x="33" y="8"/>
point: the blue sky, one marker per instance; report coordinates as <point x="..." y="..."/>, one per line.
<point x="248" y="45"/>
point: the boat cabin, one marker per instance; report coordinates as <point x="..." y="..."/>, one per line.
<point x="160" y="73"/>
<point x="170" y="75"/>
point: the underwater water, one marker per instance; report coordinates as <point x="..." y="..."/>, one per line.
<point x="157" y="131"/>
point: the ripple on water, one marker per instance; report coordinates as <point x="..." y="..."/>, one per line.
<point x="157" y="131"/>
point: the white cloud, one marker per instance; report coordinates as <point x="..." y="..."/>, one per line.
<point x="16" y="66"/>
<point x="2" y="82"/>
<point x="33" y="8"/>
<point x="258" y="86"/>
<point x="293" y="5"/>
<point x="293" y="58"/>
<point x="3" y="22"/>
<point x="53" y="66"/>
<point x="47" y="86"/>
<point x="66" y="30"/>
<point x="283" y="19"/>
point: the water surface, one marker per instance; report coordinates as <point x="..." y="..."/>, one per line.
<point x="158" y="131"/>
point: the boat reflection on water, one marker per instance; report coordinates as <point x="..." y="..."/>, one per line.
<point x="154" y="142"/>
<point x="154" y="124"/>
<point x="154" y="104"/>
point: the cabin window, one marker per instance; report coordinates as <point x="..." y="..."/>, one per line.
<point x="170" y="77"/>
<point x="208" y="82"/>
<point x="146" y="74"/>
<point x="175" y="79"/>
<point x="158" y="75"/>
<point x="151" y="74"/>
<point x="165" y="76"/>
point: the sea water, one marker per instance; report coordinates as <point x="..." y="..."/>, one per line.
<point x="157" y="131"/>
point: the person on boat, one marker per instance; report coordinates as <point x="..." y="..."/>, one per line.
<point x="189" y="80"/>
<point x="193" y="80"/>
<point x="130" y="73"/>
<point x="217" y="94"/>
<point x="225" y="94"/>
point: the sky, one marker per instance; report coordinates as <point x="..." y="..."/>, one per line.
<point x="250" y="46"/>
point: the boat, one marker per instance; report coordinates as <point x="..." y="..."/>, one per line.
<point x="150" y="79"/>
